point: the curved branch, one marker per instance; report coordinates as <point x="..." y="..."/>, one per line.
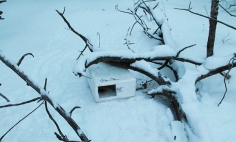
<point x="164" y="65"/>
<point x="22" y="58"/>
<point x="171" y="68"/>
<point x="177" y="55"/>
<point x="73" y="109"/>
<point x="181" y="116"/>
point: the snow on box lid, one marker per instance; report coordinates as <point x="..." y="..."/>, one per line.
<point x="103" y="72"/>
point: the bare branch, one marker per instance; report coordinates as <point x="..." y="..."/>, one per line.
<point x="98" y="39"/>
<point x="206" y="11"/>
<point x="164" y="65"/>
<point x="45" y="84"/>
<point x="74" y="109"/>
<point x="189" y="10"/>
<point x="22" y="58"/>
<point x="227" y="11"/>
<point x="54" y="121"/>
<point x="19" y="121"/>
<point x="116" y="7"/>
<point x="177" y="55"/>
<point x="4" y="97"/>
<point x="155" y="6"/>
<point x="86" y="41"/>
<point x="230" y="65"/>
<point x="22" y="103"/>
<point x="133" y="27"/>
<point x="171" y="68"/>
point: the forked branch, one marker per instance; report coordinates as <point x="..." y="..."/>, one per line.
<point x="86" y="41"/>
<point x="43" y="94"/>
<point x="189" y="10"/>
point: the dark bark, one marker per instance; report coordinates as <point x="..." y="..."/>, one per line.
<point x="212" y="29"/>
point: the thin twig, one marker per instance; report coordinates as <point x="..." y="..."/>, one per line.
<point x="22" y="103"/>
<point x="206" y="11"/>
<point x="98" y="39"/>
<point x="22" y="58"/>
<point x="20" y="121"/>
<point x="162" y="66"/>
<point x="86" y="41"/>
<point x="45" y="84"/>
<point x="4" y="97"/>
<point x="155" y="6"/>
<point x="74" y="109"/>
<point x="227" y="11"/>
<point x="133" y="27"/>
<point x="177" y="55"/>
<point x="116" y="7"/>
<point x="189" y="10"/>
<point x="230" y="65"/>
<point x="170" y="67"/>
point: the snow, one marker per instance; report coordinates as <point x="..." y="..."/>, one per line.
<point x="215" y="62"/>
<point x="34" y="26"/>
<point x="142" y="64"/>
<point x="156" y="52"/>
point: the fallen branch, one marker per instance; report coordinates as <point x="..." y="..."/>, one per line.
<point x="44" y="96"/>
<point x="181" y="116"/>
<point x="214" y="72"/>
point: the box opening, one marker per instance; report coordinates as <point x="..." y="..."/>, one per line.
<point x="106" y="91"/>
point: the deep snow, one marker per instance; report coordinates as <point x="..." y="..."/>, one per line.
<point x="34" y="26"/>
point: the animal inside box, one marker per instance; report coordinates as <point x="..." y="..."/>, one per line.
<point x="108" y="82"/>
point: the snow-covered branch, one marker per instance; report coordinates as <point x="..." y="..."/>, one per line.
<point x="215" y="65"/>
<point x="162" y="52"/>
<point x="43" y="95"/>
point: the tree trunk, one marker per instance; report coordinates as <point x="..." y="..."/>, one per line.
<point x="212" y="29"/>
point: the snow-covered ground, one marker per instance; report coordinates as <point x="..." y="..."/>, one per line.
<point x="34" y="26"/>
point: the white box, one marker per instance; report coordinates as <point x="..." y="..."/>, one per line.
<point x="108" y="82"/>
